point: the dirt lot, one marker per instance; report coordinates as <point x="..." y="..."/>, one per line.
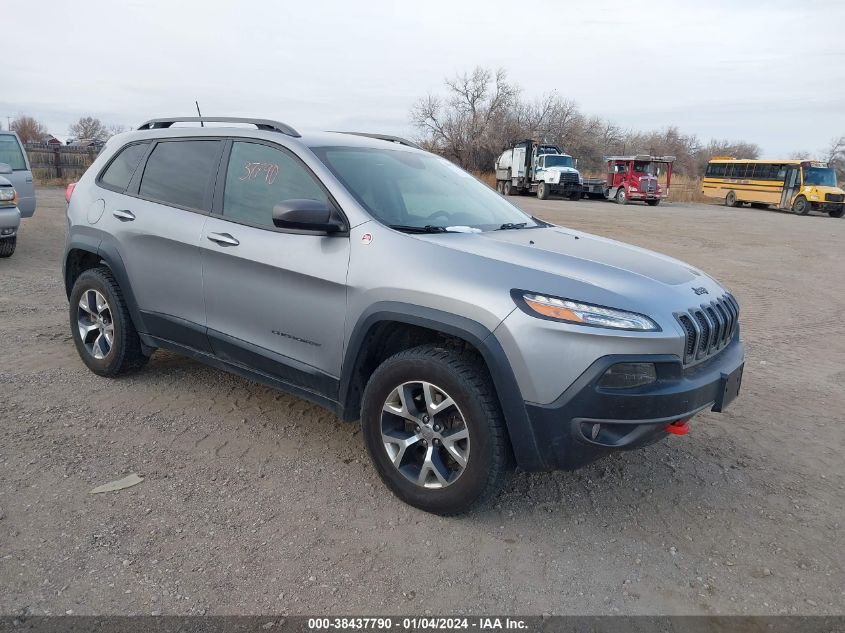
<point x="257" y="502"/>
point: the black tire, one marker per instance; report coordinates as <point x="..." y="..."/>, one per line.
<point x="800" y="206"/>
<point x="8" y="245"/>
<point x="576" y="196"/>
<point x="507" y="188"/>
<point x="464" y="377"/>
<point x="838" y="213"/>
<point x="730" y="199"/>
<point x="543" y="191"/>
<point x="652" y="203"/>
<point x="621" y="197"/>
<point x="125" y="354"/>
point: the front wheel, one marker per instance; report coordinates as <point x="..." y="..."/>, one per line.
<point x="730" y="199"/>
<point x="621" y="198"/>
<point x="837" y="213"/>
<point x="652" y="203"/>
<point x="434" y="429"/>
<point x="543" y="191"/>
<point x="7" y="246"/>
<point x="800" y="206"/>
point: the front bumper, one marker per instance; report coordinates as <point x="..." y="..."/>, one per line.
<point x="564" y="430"/>
<point x="566" y="187"/>
<point x="10" y="219"/>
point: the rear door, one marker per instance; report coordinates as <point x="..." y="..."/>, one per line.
<point x="276" y="300"/>
<point x="156" y="224"/>
<point x="12" y="153"/>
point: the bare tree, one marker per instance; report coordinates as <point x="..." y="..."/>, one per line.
<point x="115" y="129"/>
<point x="89" y="127"/>
<point x="462" y="125"/>
<point x="835" y="154"/>
<point x="29" y="129"/>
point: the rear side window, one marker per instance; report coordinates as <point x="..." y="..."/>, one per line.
<point x="11" y="153"/>
<point x="259" y="177"/>
<point x="123" y="166"/>
<point x="179" y="172"/>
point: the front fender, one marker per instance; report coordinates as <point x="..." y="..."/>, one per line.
<point x="510" y="398"/>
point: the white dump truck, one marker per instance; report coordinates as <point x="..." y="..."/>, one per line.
<point x="532" y="167"/>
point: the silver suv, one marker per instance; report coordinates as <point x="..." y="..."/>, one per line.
<point x="386" y="284"/>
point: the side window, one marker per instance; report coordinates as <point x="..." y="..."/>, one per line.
<point x="10" y="152"/>
<point x="123" y="166"/>
<point x="179" y="172"/>
<point x="259" y="177"/>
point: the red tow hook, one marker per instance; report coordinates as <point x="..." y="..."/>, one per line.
<point x="678" y="427"/>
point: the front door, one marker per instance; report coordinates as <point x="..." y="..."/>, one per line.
<point x="791" y="185"/>
<point x="275" y="300"/>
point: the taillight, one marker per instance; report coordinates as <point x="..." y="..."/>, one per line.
<point x="69" y="191"/>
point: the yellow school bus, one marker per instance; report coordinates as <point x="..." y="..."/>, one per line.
<point x="800" y="186"/>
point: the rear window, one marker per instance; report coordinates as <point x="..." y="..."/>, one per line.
<point x="123" y="166"/>
<point x="179" y="172"/>
<point x="11" y="153"/>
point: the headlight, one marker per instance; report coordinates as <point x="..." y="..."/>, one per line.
<point x="7" y="194"/>
<point x="586" y="314"/>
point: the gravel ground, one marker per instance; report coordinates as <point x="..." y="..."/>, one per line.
<point x="256" y="502"/>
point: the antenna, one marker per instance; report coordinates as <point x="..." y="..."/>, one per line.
<point x="199" y="113"/>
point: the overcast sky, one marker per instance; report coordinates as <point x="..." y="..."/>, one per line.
<point x="769" y="72"/>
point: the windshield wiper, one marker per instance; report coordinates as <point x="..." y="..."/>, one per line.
<point x="511" y="225"/>
<point x="428" y="228"/>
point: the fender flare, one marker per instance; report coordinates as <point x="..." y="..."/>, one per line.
<point x="521" y="434"/>
<point x="110" y="256"/>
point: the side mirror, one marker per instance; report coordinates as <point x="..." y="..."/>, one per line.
<point x="303" y="214"/>
<point x="5" y="168"/>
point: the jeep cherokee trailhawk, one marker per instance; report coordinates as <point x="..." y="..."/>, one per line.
<point x="388" y="285"/>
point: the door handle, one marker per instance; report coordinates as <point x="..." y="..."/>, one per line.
<point x="124" y="215"/>
<point x="224" y="239"/>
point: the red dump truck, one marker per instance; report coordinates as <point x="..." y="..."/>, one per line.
<point x="632" y="178"/>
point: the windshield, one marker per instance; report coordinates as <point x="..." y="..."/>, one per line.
<point x="642" y="167"/>
<point x="10" y="152"/>
<point x="558" y="161"/>
<point x="410" y="189"/>
<point x="819" y="176"/>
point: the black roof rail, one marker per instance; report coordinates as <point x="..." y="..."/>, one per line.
<point x="386" y="137"/>
<point x="261" y="124"/>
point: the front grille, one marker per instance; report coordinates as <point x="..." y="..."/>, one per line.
<point x="834" y="197"/>
<point x="568" y="176"/>
<point x="709" y="327"/>
<point x="648" y="185"/>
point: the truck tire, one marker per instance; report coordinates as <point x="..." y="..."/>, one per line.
<point x="837" y="213"/>
<point x="507" y="188"/>
<point x="8" y="245"/>
<point x="652" y="203"/>
<point x="451" y="449"/>
<point x="621" y="198"/>
<point x="576" y="196"/>
<point x="102" y="329"/>
<point x="800" y="206"/>
<point x="730" y="199"/>
<point x="542" y="191"/>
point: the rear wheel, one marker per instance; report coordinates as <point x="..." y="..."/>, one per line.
<point x="621" y="197"/>
<point x="507" y="188"/>
<point x="543" y="191"/>
<point x="800" y="206"/>
<point x="837" y="213"/>
<point x="434" y="429"/>
<point x="730" y="199"/>
<point x="103" y="332"/>
<point x="576" y="196"/>
<point x="8" y="245"/>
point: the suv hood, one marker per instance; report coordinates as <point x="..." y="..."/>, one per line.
<point x="591" y="259"/>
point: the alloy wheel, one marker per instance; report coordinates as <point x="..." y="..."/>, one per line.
<point x="96" y="325"/>
<point x="425" y="434"/>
